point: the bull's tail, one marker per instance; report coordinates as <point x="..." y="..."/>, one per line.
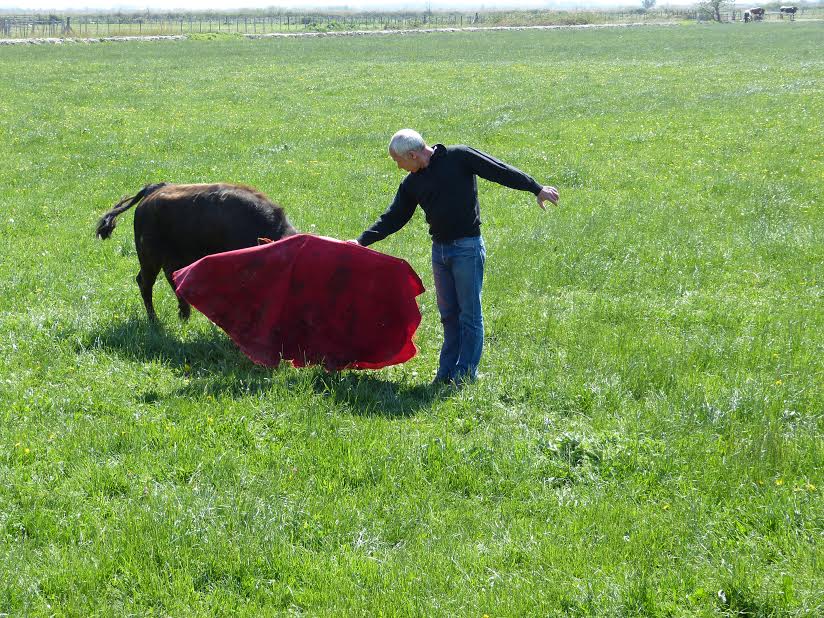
<point x="105" y="226"/>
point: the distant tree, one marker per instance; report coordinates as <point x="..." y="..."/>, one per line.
<point x="647" y="4"/>
<point x="713" y="8"/>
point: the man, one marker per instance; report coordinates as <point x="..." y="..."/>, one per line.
<point x="442" y="181"/>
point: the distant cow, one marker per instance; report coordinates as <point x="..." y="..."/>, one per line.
<point x="788" y="10"/>
<point x="757" y="13"/>
<point x="176" y="225"/>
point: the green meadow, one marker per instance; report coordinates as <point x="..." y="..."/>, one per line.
<point x="646" y="438"/>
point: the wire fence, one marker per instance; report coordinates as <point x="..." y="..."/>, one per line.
<point x="140" y="24"/>
<point x="31" y="26"/>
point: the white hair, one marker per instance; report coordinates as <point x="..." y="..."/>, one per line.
<point x="406" y="141"/>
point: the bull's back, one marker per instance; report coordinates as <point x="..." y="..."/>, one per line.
<point x="182" y="223"/>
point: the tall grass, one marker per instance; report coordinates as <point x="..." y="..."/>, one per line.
<point x="646" y="438"/>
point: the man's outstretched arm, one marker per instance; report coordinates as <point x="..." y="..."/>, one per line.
<point x="490" y="168"/>
<point x="398" y="214"/>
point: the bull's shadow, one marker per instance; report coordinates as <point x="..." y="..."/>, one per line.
<point x="213" y="365"/>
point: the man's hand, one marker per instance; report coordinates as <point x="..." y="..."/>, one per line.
<point x="547" y="193"/>
<point x="353" y="241"/>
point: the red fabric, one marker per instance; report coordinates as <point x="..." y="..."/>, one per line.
<point x="311" y="300"/>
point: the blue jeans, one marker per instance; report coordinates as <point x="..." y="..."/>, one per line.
<point x="458" y="267"/>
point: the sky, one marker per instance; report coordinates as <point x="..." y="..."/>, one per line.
<point x="190" y="5"/>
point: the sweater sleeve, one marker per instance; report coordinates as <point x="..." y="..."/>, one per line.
<point x="400" y="211"/>
<point x="490" y="168"/>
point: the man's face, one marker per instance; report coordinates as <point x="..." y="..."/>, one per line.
<point x="410" y="162"/>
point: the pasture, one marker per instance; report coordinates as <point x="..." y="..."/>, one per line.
<point x="646" y="438"/>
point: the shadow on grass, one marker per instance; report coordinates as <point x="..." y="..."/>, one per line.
<point x="138" y="339"/>
<point x="368" y="394"/>
<point x="213" y="366"/>
<point x="210" y="361"/>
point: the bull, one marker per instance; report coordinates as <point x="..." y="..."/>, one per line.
<point x="176" y="225"/>
<point x="788" y="10"/>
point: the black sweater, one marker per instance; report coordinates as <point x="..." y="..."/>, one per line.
<point x="447" y="191"/>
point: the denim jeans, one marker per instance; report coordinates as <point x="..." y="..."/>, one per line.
<point x="458" y="268"/>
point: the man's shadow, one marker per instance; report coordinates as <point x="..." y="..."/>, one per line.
<point x="213" y="365"/>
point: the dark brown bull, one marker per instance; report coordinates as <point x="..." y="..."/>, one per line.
<point x="176" y="225"/>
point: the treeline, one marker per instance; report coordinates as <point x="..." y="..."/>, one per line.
<point x="522" y="16"/>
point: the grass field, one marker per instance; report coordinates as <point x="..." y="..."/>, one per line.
<point x="646" y="439"/>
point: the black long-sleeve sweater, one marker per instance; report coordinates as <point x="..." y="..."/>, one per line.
<point x="447" y="191"/>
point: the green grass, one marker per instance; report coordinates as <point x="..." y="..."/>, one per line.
<point x="646" y="439"/>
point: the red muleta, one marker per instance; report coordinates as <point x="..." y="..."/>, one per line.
<point x="311" y="300"/>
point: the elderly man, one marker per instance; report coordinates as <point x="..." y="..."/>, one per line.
<point x="442" y="181"/>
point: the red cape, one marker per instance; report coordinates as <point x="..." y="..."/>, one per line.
<point x="311" y="300"/>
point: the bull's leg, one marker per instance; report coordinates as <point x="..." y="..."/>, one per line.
<point x="184" y="309"/>
<point x="145" y="281"/>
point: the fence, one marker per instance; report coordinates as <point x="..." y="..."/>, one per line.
<point x="104" y="25"/>
<point x="30" y="26"/>
<point x="25" y="26"/>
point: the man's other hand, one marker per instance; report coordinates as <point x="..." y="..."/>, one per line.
<point x="547" y="193"/>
